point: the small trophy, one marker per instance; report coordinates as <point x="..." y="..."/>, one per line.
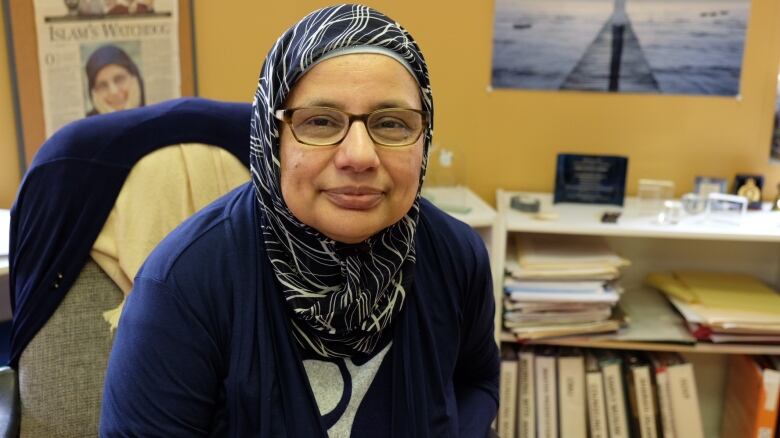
<point x="750" y="187"/>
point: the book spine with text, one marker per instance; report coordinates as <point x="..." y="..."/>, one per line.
<point x="614" y="398"/>
<point x="508" y="393"/>
<point x="664" y="401"/>
<point x="641" y="392"/>
<point x="571" y="394"/>
<point x="594" y="393"/>
<point x="684" y="401"/>
<point x="546" y="395"/>
<point x="526" y="401"/>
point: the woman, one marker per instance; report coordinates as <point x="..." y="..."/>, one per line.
<point x="114" y="81"/>
<point x="326" y="298"/>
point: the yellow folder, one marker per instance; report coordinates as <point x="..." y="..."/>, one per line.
<point x="721" y="290"/>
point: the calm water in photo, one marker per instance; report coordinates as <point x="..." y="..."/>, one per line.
<point x="692" y="47"/>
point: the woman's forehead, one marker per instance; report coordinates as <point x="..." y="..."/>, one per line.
<point x="112" y="69"/>
<point x="372" y="79"/>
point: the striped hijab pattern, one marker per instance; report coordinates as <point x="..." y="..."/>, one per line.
<point x="341" y="297"/>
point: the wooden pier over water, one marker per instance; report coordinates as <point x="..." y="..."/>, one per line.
<point x="631" y="72"/>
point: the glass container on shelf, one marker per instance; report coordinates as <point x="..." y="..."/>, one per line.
<point x="652" y="196"/>
<point x="444" y="186"/>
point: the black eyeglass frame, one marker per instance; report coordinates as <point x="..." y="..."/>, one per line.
<point x="285" y="115"/>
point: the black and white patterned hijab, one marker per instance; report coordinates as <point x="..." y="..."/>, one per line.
<point x="341" y="297"/>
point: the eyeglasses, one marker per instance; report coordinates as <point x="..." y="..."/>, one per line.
<point x="322" y="126"/>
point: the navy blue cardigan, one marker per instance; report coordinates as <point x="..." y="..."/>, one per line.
<point x="204" y="347"/>
<point x="71" y="185"/>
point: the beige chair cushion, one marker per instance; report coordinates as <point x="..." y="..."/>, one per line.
<point x="164" y="188"/>
<point x="61" y="371"/>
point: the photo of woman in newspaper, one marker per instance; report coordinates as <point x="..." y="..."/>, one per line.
<point x="114" y="81"/>
<point x="111" y="7"/>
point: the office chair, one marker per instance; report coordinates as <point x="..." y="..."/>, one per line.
<point x="60" y="339"/>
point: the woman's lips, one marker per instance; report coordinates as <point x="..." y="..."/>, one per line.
<point x="354" y="198"/>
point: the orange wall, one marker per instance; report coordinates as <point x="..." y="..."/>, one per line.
<point x="504" y="138"/>
<point x="509" y="139"/>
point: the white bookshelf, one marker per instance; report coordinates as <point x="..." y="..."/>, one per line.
<point x="479" y="215"/>
<point x="5" y="225"/>
<point x="596" y="342"/>
<point x="757" y="226"/>
<point x="694" y="243"/>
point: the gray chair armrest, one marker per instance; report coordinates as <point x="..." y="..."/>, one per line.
<point x="10" y="406"/>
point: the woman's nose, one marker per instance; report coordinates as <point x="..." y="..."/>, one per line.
<point x="357" y="151"/>
<point x="112" y="87"/>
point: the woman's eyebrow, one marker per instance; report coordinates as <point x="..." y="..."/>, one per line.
<point x="389" y="103"/>
<point x="393" y="104"/>
<point x="321" y="102"/>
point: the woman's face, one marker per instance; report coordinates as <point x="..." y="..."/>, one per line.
<point x="352" y="190"/>
<point x="112" y="86"/>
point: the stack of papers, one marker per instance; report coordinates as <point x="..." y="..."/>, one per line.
<point x="722" y="307"/>
<point x="556" y="257"/>
<point x="560" y="285"/>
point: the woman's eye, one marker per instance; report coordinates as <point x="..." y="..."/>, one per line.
<point x="388" y="123"/>
<point x="320" y="122"/>
<point x="120" y="79"/>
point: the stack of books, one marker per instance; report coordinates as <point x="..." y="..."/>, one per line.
<point x="722" y="307"/>
<point x="561" y="285"/>
<point x="575" y="393"/>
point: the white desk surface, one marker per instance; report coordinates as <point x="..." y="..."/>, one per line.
<point x="5" y="224"/>
<point x="479" y="213"/>
<point x="762" y="226"/>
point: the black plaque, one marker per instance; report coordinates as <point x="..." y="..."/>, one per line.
<point x="590" y="179"/>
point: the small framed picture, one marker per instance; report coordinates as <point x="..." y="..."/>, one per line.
<point x="724" y="208"/>
<point x="707" y="184"/>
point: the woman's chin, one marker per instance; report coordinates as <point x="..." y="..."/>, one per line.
<point x="350" y="229"/>
<point x="347" y="235"/>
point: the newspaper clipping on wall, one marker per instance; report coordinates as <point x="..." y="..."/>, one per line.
<point x="101" y="56"/>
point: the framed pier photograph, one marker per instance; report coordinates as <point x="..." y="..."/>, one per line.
<point x="688" y="47"/>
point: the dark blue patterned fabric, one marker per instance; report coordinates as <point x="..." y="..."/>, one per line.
<point x="72" y="183"/>
<point x="204" y="346"/>
<point x="340" y="303"/>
